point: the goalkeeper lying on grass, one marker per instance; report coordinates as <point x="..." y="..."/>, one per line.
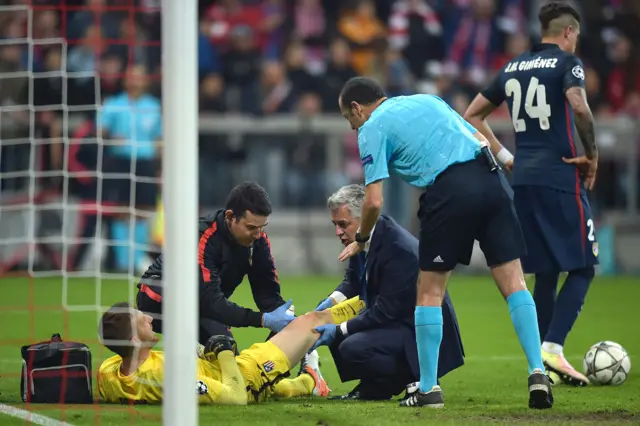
<point x="135" y="374"/>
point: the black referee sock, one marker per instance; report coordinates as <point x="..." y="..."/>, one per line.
<point x="544" y="294"/>
<point x="569" y="304"/>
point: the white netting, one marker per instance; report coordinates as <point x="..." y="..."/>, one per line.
<point x="53" y="221"/>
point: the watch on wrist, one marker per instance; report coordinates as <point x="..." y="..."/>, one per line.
<point x="360" y="238"/>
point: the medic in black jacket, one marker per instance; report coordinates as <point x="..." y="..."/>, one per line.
<point x="232" y="245"/>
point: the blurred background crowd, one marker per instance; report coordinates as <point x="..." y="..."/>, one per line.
<point x="268" y="58"/>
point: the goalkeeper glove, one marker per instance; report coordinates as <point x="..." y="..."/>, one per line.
<point x="217" y="344"/>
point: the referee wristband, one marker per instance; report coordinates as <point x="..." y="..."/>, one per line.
<point x="343" y="329"/>
<point x="504" y="156"/>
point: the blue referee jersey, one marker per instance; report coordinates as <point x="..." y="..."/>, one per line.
<point x="415" y="137"/>
<point x="136" y="121"/>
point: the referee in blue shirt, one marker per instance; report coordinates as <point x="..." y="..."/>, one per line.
<point x="466" y="198"/>
<point x="132" y="120"/>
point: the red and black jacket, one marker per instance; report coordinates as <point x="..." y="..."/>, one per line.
<point x="223" y="265"/>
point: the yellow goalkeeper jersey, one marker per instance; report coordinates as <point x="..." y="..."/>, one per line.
<point x="144" y="386"/>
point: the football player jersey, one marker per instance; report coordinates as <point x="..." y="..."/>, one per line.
<point x="534" y="86"/>
<point x="144" y="386"/>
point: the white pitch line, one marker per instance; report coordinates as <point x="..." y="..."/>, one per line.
<point x="34" y="418"/>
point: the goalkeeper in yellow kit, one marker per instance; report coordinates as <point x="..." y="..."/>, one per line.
<point x="135" y="374"/>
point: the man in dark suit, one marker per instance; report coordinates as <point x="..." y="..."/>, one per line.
<point x="378" y="346"/>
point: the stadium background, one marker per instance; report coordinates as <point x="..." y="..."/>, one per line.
<point x="270" y="72"/>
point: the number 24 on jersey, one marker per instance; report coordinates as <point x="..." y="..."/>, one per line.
<point x="536" y="93"/>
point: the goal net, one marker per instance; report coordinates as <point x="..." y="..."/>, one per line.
<point x="79" y="179"/>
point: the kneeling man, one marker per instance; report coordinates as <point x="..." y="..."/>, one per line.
<point x="378" y="346"/>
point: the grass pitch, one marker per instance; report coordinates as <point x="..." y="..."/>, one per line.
<point x="490" y="388"/>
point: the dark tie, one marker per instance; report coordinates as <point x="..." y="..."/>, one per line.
<point x="363" y="276"/>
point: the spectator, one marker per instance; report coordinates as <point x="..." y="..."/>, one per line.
<point x="309" y="22"/>
<point x="93" y="15"/>
<point x="208" y="55"/>
<point x="399" y="79"/>
<point x="310" y="28"/>
<point x="297" y="73"/>
<point x="416" y="31"/>
<point x="623" y="83"/>
<point x="277" y="94"/>
<point x="595" y="96"/>
<point x="224" y="16"/>
<point x="273" y="27"/>
<point x="339" y="70"/>
<point x="83" y="58"/>
<point x="363" y="30"/>
<point x="305" y="180"/>
<point x="241" y="69"/>
<point x="473" y="44"/>
<point x="211" y="94"/>
<point x="516" y="45"/>
<point x="48" y="90"/>
<point x="111" y="67"/>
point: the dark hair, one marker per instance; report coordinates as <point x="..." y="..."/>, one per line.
<point x="362" y="90"/>
<point x="249" y="196"/>
<point x="555" y="10"/>
<point x="116" y="325"/>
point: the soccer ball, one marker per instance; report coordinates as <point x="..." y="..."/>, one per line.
<point x="607" y="363"/>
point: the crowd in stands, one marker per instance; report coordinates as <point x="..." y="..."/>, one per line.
<point x="264" y="57"/>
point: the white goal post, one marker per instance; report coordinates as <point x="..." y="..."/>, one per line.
<point x="180" y="189"/>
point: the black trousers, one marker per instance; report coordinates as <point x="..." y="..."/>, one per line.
<point x="378" y="359"/>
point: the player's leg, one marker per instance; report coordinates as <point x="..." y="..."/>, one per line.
<point x="295" y="341"/>
<point x="544" y="295"/>
<point x="571" y="224"/>
<point x="501" y="241"/>
<point x="530" y="204"/>
<point x="308" y="382"/>
<point x="298" y="337"/>
<point x="429" y="324"/>
<point x="446" y="239"/>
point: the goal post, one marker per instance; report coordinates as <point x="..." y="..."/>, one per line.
<point x="180" y="189"/>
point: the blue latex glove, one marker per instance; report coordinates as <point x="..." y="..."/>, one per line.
<point x="325" y="304"/>
<point x="279" y="318"/>
<point x="327" y="335"/>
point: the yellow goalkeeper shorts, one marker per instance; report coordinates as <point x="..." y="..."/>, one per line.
<point x="262" y="366"/>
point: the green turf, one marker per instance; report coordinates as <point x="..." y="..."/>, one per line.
<point x="490" y="388"/>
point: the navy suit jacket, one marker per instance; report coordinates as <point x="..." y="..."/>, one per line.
<point x="392" y="270"/>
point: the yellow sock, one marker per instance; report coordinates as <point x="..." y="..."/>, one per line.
<point x="346" y="310"/>
<point x="300" y="386"/>
<point x="231" y="376"/>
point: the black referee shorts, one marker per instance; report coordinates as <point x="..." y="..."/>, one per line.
<point x="468" y="202"/>
<point x="119" y="185"/>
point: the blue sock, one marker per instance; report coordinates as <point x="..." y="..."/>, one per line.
<point x="544" y="296"/>
<point x="523" y="315"/>
<point x="120" y="233"/>
<point x="141" y="238"/>
<point x="569" y="304"/>
<point x="428" y="337"/>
